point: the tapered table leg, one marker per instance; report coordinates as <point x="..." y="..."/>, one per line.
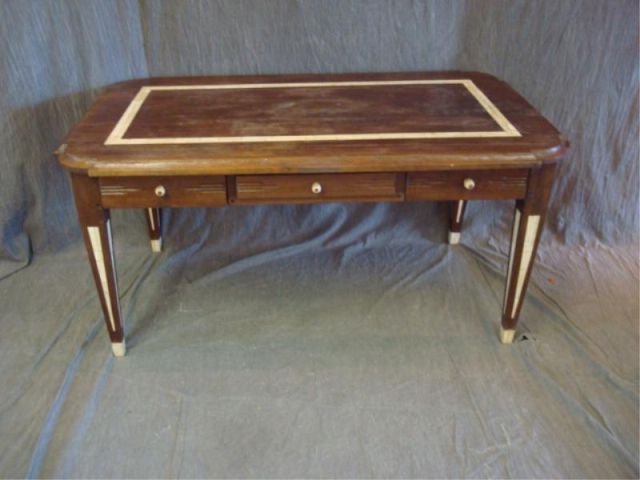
<point x="153" y="221"/>
<point x="456" y="214"/>
<point x="527" y="227"/>
<point x="96" y="230"/>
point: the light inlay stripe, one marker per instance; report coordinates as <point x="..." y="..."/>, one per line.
<point x="531" y="231"/>
<point x="151" y="218"/>
<point x="491" y="109"/>
<point x="128" y="116"/>
<point x="459" y="211"/>
<point x="117" y="134"/>
<point x="113" y="265"/>
<point x="355" y="83"/>
<point x="514" y="237"/>
<point x="98" y="255"/>
<point x="339" y="137"/>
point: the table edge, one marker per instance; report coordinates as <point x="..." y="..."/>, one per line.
<point x="179" y="167"/>
<point x="100" y="166"/>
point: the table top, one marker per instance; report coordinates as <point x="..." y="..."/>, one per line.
<point x="308" y="124"/>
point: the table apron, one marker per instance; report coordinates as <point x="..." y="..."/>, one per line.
<point x="216" y="191"/>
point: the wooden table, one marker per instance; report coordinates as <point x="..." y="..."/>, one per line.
<point x="392" y="137"/>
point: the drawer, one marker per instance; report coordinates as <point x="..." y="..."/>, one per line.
<point x="163" y="191"/>
<point x="355" y="187"/>
<point x="467" y="185"/>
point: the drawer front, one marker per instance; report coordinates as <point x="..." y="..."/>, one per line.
<point x="467" y="185"/>
<point x="163" y="191"/>
<point x="355" y="187"/>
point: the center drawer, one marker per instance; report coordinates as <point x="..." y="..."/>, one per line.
<point x="355" y="187"/>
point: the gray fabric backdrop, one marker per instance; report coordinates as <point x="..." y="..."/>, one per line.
<point x="329" y="340"/>
<point x="576" y="61"/>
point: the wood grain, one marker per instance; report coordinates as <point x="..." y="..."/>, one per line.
<point x="134" y="192"/>
<point x="355" y="110"/>
<point x="309" y="111"/>
<point x="358" y="187"/>
<point x="489" y="185"/>
<point x="95" y="225"/>
<point x="453" y="136"/>
<point x="530" y="213"/>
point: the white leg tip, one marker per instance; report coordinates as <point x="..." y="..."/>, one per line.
<point x="119" y="349"/>
<point x="506" y="336"/>
<point x="156" y="245"/>
<point x="454" y="238"/>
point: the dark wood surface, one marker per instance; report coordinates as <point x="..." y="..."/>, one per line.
<point x="345" y="187"/>
<point x="487" y="184"/>
<point x="467" y="136"/>
<point x="523" y="248"/>
<point x="309" y="111"/>
<point x="99" y="250"/>
<point x="179" y="191"/>
<point x="215" y="191"/>
<point x="325" y="110"/>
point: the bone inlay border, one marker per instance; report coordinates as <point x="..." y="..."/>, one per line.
<point x="117" y="190"/>
<point x="113" y="264"/>
<point x="512" y="251"/>
<point x="98" y="255"/>
<point x="530" y="233"/>
<point x="459" y="210"/>
<point x="117" y="134"/>
<point x="152" y="220"/>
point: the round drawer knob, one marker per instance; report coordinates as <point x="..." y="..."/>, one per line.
<point x="469" y="183"/>
<point x="316" y="187"/>
<point x="160" y="191"/>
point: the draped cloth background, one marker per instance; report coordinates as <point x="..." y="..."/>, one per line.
<point x="334" y="340"/>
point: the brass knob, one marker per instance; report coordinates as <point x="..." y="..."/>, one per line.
<point x="316" y="187"/>
<point x="469" y="183"/>
<point x="160" y="191"/>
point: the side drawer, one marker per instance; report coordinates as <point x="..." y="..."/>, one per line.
<point x="467" y="185"/>
<point x="303" y="188"/>
<point x="163" y="191"/>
